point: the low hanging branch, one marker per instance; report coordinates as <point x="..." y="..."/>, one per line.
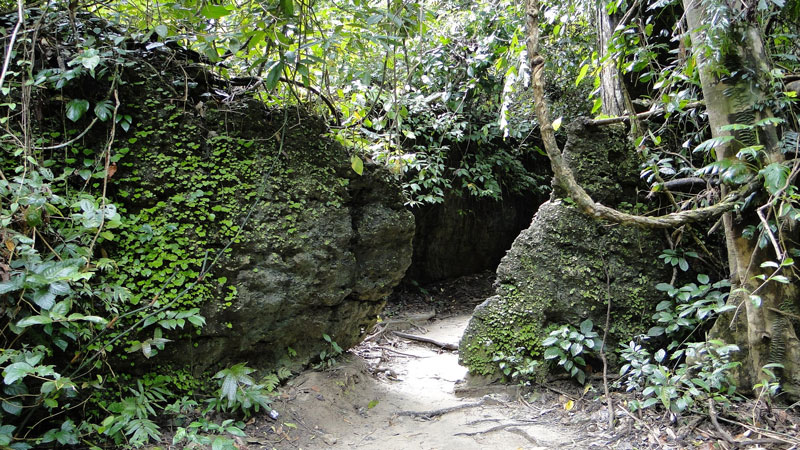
<point x="563" y="174"/>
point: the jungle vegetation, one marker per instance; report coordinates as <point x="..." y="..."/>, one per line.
<point x="455" y="97"/>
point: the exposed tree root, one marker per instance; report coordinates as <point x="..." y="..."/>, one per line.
<point x="440" y="412"/>
<point x="507" y="426"/>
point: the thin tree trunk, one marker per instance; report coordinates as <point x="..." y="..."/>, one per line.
<point x="611" y="89"/>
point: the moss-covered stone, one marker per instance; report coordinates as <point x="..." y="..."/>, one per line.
<point x="308" y="246"/>
<point x="565" y="267"/>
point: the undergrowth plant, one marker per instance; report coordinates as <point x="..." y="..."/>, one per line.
<point x="568" y="346"/>
<point x="327" y="357"/>
<point x="684" y="372"/>
<point x="517" y="367"/>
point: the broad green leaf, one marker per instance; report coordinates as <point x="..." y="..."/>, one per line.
<point x="357" y="164"/>
<point x="775" y="176"/>
<point x="12" y="407"/>
<point x="214" y="11"/>
<point x="11" y="285"/>
<point x="769" y="121"/>
<point x="90" y="62"/>
<point x="34" y="320"/>
<point x="586" y="326"/>
<point x="273" y="75"/>
<point x="287" y="8"/>
<point x="44" y="298"/>
<point x="736" y="127"/>
<point x="16" y="371"/>
<point x="552" y="352"/>
<point x="76" y="109"/>
<point x="582" y="74"/>
<point x="103" y="110"/>
<point x="598" y="103"/>
<point x="780" y="279"/>
<point x="712" y="143"/>
<point x="161" y="30"/>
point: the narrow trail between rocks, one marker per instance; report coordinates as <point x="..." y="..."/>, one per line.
<point x="402" y="394"/>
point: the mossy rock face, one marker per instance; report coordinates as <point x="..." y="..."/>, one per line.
<point x="603" y="162"/>
<point x="309" y="247"/>
<point x="558" y="270"/>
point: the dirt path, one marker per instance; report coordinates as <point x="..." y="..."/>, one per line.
<point x="378" y="398"/>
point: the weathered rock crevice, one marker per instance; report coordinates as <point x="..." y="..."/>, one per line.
<point x="466" y="235"/>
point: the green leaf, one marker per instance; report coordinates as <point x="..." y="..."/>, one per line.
<point x="769" y="120"/>
<point x="161" y="30"/>
<point x="549" y="341"/>
<point x="12" y="407"/>
<point x="582" y="74"/>
<point x="736" y="127"/>
<point x="214" y="11"/>
<point x="76" y="109"/>
<point x="16" y="371"/>
<point x="713" y="143"/>
<point x="287" y="8"/>
<point x="552" y="352"/>
<point x="357" y="164"/>
<point x="780" y="279"/>
<point x="598" y="103"/>
<point x="44" y="298"/>
<point x="586" y="326"/>
<point x="702" y="279"/>
<point x="273" y="75"/>
<point x="34" y="320"/>
<point x="664" y="287"/>
<point x="12" y="285"/>
<point x="103" y="110"/>
<point x="775" y="176"/>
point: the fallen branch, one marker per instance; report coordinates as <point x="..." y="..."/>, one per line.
<point x="712" y="414"/>
<point x="440" y="412"/>
<point x="559" y="391"/>
<point x="400" y="353"/>
<point x="773" y="437"/>
<point x="413" y="337"/>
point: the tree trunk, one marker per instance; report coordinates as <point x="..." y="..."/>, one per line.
<point x="763" y="333"/>
<point x="611" y="90"/>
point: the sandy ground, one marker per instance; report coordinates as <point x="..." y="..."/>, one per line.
<point x="377" y="399"/>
